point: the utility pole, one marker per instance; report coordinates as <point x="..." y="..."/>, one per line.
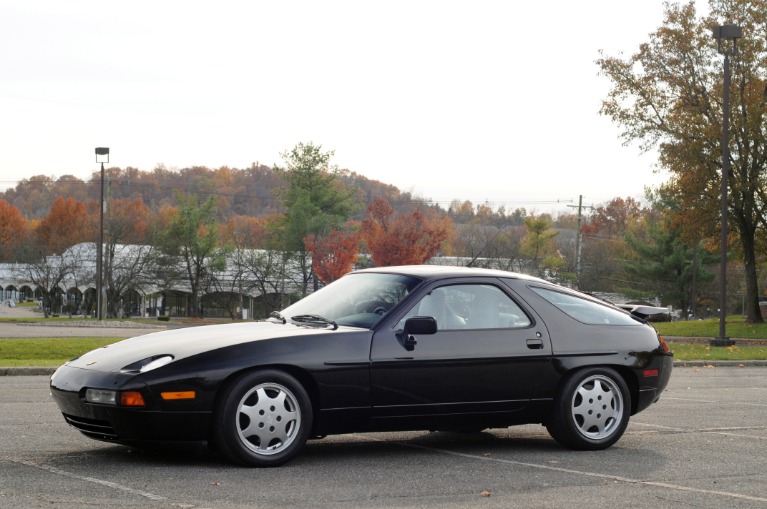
<point x="578" y="237"/>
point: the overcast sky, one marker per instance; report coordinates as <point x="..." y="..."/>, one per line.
<point x="476" y="100"/>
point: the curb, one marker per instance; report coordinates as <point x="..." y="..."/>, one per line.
<point x="707" y="340"/>
<point x="720" y="364"/>
<point x="27" y="371"/>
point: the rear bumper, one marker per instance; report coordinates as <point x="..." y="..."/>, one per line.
<point x="650" y="393"/>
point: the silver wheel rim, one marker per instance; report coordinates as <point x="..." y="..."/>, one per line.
<point x="268" y="419"/>
<point x="597" y="407"/>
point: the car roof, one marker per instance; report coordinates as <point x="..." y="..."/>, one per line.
<point x="446" y="271"/>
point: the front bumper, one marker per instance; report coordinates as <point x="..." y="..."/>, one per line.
<point x="154" y="422"/>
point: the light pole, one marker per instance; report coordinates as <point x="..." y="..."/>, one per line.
<point x="102" y="156"/>
<point x="727" y="44"/>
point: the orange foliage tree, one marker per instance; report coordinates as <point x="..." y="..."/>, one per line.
<point x="405" y="238"/>
<point x="67" y="224"/>
<point x="127" y="221"/>
<point x="334" y="254"/>
<point x="244" y="232"/>
<point x="13" y="230"/>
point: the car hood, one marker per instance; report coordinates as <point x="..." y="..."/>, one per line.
<point x="185" y="342"/>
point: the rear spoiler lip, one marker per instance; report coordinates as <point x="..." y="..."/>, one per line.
<point x="642" y="311"/>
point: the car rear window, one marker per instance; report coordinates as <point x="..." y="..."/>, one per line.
<point x="583" y="310"/>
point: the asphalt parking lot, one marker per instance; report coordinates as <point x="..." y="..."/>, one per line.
<point x="703" y="445"/>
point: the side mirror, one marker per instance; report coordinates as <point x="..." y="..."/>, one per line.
<point x="418" y="325"/>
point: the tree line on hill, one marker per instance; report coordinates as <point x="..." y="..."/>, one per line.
<point x="322" y="222"/>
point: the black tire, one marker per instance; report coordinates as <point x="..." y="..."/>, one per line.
<point x="263" y="419"/>
<point x="591" y="410"/>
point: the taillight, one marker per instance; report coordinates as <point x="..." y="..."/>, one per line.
<point x="663" y="344"/>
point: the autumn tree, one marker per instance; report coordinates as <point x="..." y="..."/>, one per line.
<point x="603" y="246"/>
<point x="613" y="218"/>
<point x="241" y="235"/>
<point x="669" y="95"/>
<point x="316" y="200"/>
<point x="68" y="223"/>
<point x="403" y="238"/>
<point x="333" y="255"/>
<point x="34" y="196"/>
<point x="245" y="232"/>
<point x="127" y="256"/>
<point x="13" y="231"/>
<point x="461" y="211"/>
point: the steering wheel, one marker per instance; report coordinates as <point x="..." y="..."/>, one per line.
<point x="380" y="310"/>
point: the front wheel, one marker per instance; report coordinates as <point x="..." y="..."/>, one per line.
<point x="263" y="419"/>
<point x="591" y="410"/>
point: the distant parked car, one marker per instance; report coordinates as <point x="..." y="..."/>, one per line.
<point x="397" y="348"/>
<point x="648" y="312"/>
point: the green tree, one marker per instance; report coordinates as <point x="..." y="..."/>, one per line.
<point x="669" y="266"/>
<point x="668" y="95"/>
<point x="191" y="236"/>
<point x="538" y="244"/>
<point x="316" y="201"/>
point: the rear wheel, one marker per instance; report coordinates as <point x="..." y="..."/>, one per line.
<point x="592" y="409"/>
<point x="263" y="419"/>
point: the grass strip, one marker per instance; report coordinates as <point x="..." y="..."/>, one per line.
<point x="736" y="327"/>
<point x="703" y="352"/>
<point x="46" y="351"/>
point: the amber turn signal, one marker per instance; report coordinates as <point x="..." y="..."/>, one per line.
<point x="178" y="395"/>
<point x="131" y="398"/>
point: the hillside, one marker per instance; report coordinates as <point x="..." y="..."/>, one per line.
<point x="248" y="192"/>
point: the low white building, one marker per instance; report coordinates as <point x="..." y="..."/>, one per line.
<point x="228" y="292"/>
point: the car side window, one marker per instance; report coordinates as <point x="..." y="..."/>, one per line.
<point x="583" y="310"/>
<point x="469" y="306"/>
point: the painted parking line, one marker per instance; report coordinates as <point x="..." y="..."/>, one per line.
<point x="714" y="401"/>
<point x="102" y="482"/>
<point x="728" y="431"/>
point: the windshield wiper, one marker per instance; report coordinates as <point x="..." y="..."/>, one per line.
<point x="314" y="320"/>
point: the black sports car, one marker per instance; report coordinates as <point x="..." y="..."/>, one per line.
<point x="397" y="348"/>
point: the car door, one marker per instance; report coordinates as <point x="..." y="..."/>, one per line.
<point x="488" y="354"/>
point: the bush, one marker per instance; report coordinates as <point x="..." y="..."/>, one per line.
<point x="163" y="318"/>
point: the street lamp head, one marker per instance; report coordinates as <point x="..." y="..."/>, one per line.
<point x="727" y="33"/>
<point x="102" y="154"/>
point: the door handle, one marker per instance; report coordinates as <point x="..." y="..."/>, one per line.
<point x="535" y="344"/>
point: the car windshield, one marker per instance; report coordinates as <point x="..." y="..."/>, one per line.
<point x="356" y="300"/>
